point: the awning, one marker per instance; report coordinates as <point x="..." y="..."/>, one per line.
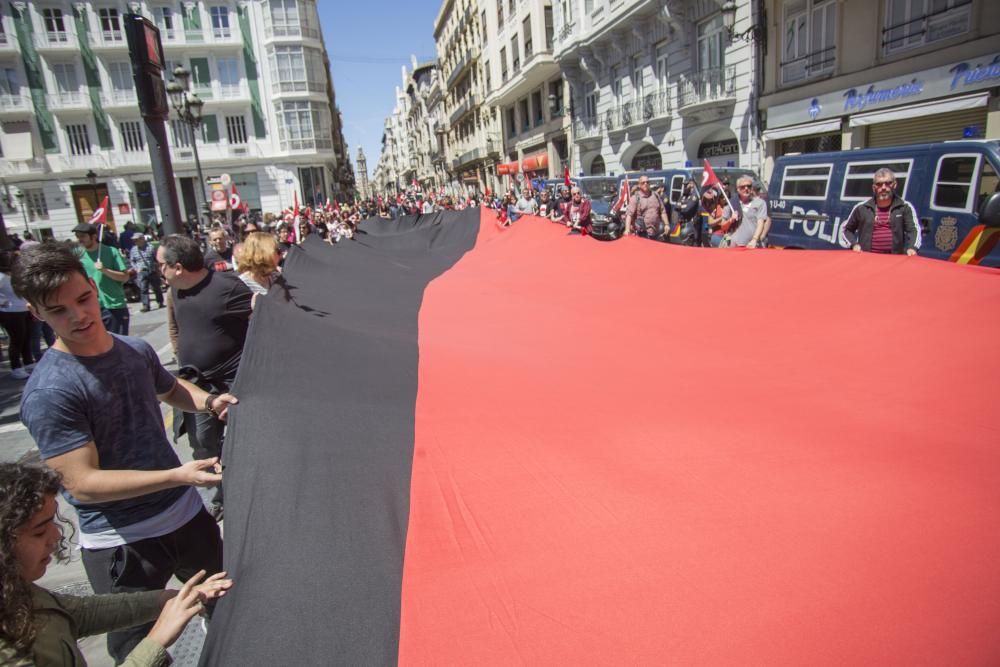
<point x="508" y="168"/>
<point x="535" y="162"/>
<point x="821" y="127"/>
<point x="917" y="110"/>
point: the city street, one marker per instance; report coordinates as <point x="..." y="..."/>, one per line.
<point x="16" y="445"/>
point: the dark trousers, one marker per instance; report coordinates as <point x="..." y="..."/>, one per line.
<point x="18" y="327"/>
<point x="694" y="232"/>
<point x="149" y="280"/>
<point x="206" y="438"/>
<point x="148" y="565"/>
<point x="116" y="320"/>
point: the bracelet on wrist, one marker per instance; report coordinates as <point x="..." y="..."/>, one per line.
<point x="209" y="400"/>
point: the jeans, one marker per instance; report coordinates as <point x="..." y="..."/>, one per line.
<point x="116" y="320"/>
<point x="206" y="440"/>
<point x="17" y="326"/>
<point x="148" y="564"/>
<point x="147" y="280"/>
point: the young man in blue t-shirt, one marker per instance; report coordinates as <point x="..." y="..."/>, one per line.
<point x="92" y="406"/>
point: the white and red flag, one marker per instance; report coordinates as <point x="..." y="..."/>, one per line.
<point x="708" y="177"/>
<point x="624" y="193"/>
<point x="100" y="216"/>
<point x="235" y="203"/>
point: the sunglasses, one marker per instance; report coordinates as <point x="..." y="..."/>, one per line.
<point x="883" y="185"/>
<point x="743" y="187"/>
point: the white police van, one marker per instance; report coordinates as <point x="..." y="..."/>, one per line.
<point x="811" y="196"/>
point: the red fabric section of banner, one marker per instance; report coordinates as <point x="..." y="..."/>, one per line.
<point x="634" y="453"/>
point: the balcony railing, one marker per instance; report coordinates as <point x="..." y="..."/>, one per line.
<point x="460" y="67"/>
<point x="810" y="65"/>
<point x="67" y="100"/>
<point x="10" y="167"/>
<point x="707" y="87"/>
<point x="118" y="98"/>
<point x="587" y="127"/>
<point x="644" y="110"/>
<point x="110" y="39"/>
<point x="14" y="102"/>
<point x="55" y="40"/>
<point x="467" y="105"/>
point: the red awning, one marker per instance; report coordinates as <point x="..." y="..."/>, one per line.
<point x="535" y="162"/>
<point x="508" y="168"/>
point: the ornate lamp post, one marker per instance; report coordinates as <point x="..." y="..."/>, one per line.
<point x="92" y="179"/>
<point x="188" y="107"/>
<point x="24" y="212"/>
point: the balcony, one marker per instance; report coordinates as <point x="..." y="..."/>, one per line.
<point x="55" y="41"/>
<point x="172" y="39"/>
<point x="118" y="98"/>
<point x="7" y="43"/>
<point x="465" y="158"/>
<point x="587" y="130"/>
<point x="68" y="101"/>
<point x="809" y="66"/>
<point x="460" y="67"/>
<point x="96" y="160"/>
<point x="638" y="113"/>
<point x="15" y="102"/>
<point x="707" y="89"/>
<point x="470" y="103"/>
<point x="14" y="167"/>
<point x="104" y="40"/>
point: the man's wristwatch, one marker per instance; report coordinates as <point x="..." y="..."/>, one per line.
<point x="208" y="404"/>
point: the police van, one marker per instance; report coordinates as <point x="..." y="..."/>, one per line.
<point x="811" y="196"/>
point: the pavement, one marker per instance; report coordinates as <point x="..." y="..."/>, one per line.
<point x="17" y="445"/>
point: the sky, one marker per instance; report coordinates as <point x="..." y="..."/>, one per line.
<point x="368" y="42"/>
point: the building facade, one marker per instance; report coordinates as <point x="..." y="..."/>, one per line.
<point x="468" y="123"/>
<point x="68" y="109"/>
<point x="658" y="83"/>
<point x="844" y="74"/>
<point x="524" y="84"/>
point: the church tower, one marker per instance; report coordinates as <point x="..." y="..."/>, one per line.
<point x="362" y="168"/>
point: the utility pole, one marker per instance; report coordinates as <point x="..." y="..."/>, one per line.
<point x="146" y="52"/>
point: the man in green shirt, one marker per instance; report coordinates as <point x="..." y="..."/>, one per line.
<point x="106" y="267"/>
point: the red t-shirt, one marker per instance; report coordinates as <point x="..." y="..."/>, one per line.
<point x="882" y="234"/>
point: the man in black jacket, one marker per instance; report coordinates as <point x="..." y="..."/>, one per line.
<point x="886" y="223"/>
<point x="689" y="213"/>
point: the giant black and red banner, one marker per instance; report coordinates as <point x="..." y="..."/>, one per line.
<point x="458" y="444"/>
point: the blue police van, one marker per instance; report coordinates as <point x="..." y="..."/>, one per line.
<point x="811" y="196"/>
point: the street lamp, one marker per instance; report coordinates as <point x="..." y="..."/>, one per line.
<point x="24" y="212"/>
<point x="92" y="179"/>
<point x="189" y="107"/>
<point x="755" y="33"/>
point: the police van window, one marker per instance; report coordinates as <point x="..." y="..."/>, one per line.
<point x="953" y="185"/>
<point x="676" y="188"/>
<point x="810" y="182"/>
<point x="859" y="176"/>
<point x="988" y="183"/>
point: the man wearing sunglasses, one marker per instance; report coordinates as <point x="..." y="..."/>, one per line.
<point x="751" y="225"/>
<point x="886" y="223"/>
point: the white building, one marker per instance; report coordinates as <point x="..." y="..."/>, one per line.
<point x="68" y="107"/>
<point x="523" y="81"/>
<point x="657" y="83"/>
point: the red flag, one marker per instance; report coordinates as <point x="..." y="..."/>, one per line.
<point x="624" y="193"/>
<point x="234" y="198"/>
<point x="100" y="215"/>
<point x="295" y="209"/>
<point x="566" y="176"/>
<point x="708" y="177"/>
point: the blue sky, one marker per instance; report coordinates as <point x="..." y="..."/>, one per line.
<point x="368" y="42"/>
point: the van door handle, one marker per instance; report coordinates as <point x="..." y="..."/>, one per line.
<point x="925" y="226"/>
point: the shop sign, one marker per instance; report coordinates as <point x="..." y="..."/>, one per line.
<point x="711" y="149"/>
<point x="954" y="79"/>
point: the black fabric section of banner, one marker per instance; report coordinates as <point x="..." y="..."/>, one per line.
<point x="319" y="450"/>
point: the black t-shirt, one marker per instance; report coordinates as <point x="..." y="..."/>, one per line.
<point x="219" y="261"/>
<point x="212" y="319"/>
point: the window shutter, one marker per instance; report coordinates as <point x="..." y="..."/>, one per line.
<point x="210" y="125"/>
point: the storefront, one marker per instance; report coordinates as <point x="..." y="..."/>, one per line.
<point x="940" y="104"/>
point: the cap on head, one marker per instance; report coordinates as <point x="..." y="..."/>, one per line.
<point x="85" y="228"/>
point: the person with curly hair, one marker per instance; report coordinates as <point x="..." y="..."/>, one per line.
<point x="39" y="628"/>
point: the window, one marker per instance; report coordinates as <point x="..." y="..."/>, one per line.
<point x="289" y="20"/>
<point x="711" y="44"/>
<point x="111" y="27"/>
<point x="859" y="176"/>
<point x="236" y="129"/>
<point x="515" y="54"/>
<point x="3" y="31"/>
<point x="525" y="117"/>
<point x="536" y="103"/>
<point x="165" y="20"/>
<point x="511" y="122"/>
<point x="662" y="83"/>
<point x="38" y="208"/>
<point x="677" y="188"/>
<point x="131" y="133"/>
<point x="810" y="46"/>
<point x="590" y="104"/>
<point x="637" y="82"/>
<point x="567" y="11"/>
<point x="616" y="84"/>
<point x="549" y="30"/>
<point x="809" y="182"/>
<point x="597" y="167"/>
<point x="913" y="23"/>
<point x="229" y="77"/>
<point x="648" y="157"/>
<point x="10" y="85"/>
<point x="67" y="83"/>
<point x="220" y="22"/>
<point x="312" y="181"/>
<point x="953" y="184"/>
<point x="78" y="139"/>
<point x="482" y="25"/>
<point x="988" y="183"/>
<point x="303" y="125"/>
<point x="500" y="14"/>
<point x="121" y="76"/>
<point x="556" y="90"/>
<point x="296" y="69"/>
<point x="488" y="77"/>
<point x="526" y="30"/>
<point x="55" y="27"/>
<point x="180" y="133"/>
<point x="503" y="64"/>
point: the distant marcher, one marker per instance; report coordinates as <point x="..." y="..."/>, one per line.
<point x="106" y="267"/>
<point x="142" y="259"/>
<point x="16" y="321"/>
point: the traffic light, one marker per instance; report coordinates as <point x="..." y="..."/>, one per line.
<point x="146" y="52"/>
